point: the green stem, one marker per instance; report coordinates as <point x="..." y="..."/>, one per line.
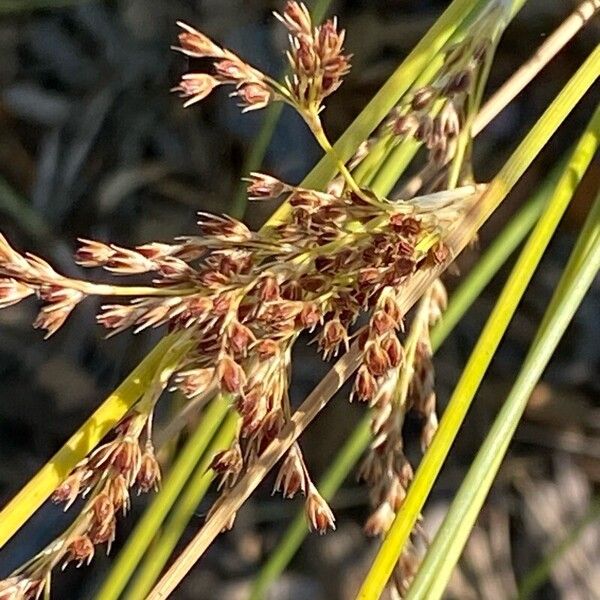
<point x="579" y="274"/>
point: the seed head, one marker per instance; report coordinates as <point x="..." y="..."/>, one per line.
<point x="319" y="515"/>
<point x="148" y="477"/>
<point x="80" y="550"/>
<point x="196" y="87"/>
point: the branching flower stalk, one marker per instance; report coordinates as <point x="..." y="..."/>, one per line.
<point x="242" y="298"/>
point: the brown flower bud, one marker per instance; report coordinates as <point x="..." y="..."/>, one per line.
<point x="365" y="384"/>
<point x="81" y="550"/>
<point x="363" y="338"/>
<point x="269" y="429"/>
<point x="104" y="534"/>
<point x="369" y="276"/>
<point x="69" y="489"/>
<point x="254" y="96"/>
<point x="127" y="457"/>
<point x="261" y="187"/>
<point x="292" y="290"/>
<point x="291" y="478"/>
<point x="194" y="43"/>
<point x="310" y="315"/>
<point x="196" y="87"/>
<point x="267" y="348"/>
<point x="333" y="335"/>
<point x="194" y="382"/>
<point x="404" y="267"/>
<point x="405" y="125"/>
<point x="394" y="350"/>
<point x="424" y="129"/>
<point x="221" y="304"/>
<point x="148" y="477"/>
<point x="403" y="469"/>
<point x="440" y="253"/>
<point x="268" y="289"/>
<point x="319" y="515"/>
<point x="405" y="226"/>
<point x="240" y="337"/>
<point x="118" y="493"/>
<point x="334" y="332"/>
<point x="103" y="509"/>
<point x="92" y="253"/>
<point x="296" y="18"/>
<point x="382" y="322"/>
<point x="392" y="308"/>
<point x="230" y="71"/>
<point x="228" y="460"/>
<point x="377" y="360"/>
<point x="230" y="375"/>
<point x="380" y="521"/>
<point x="228" y="464"/>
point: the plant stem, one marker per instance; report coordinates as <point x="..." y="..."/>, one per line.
<point x="316" y="127"/>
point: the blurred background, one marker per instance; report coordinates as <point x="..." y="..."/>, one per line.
<point x="93" y="145"/>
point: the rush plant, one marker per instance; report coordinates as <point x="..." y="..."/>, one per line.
<point x="346" y="258"/>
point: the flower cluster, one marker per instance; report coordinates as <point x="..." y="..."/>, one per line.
<point x="104" y="479"/>
<point x="315" y="56"/>
<point x="396" y="388"/>
<point x="246" y="296"/>
<point x="435" y="114"/>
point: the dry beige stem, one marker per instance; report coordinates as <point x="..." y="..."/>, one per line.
<point x="542" y="56"/>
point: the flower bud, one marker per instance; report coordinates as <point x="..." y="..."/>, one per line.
<point x="319" y="515"/>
